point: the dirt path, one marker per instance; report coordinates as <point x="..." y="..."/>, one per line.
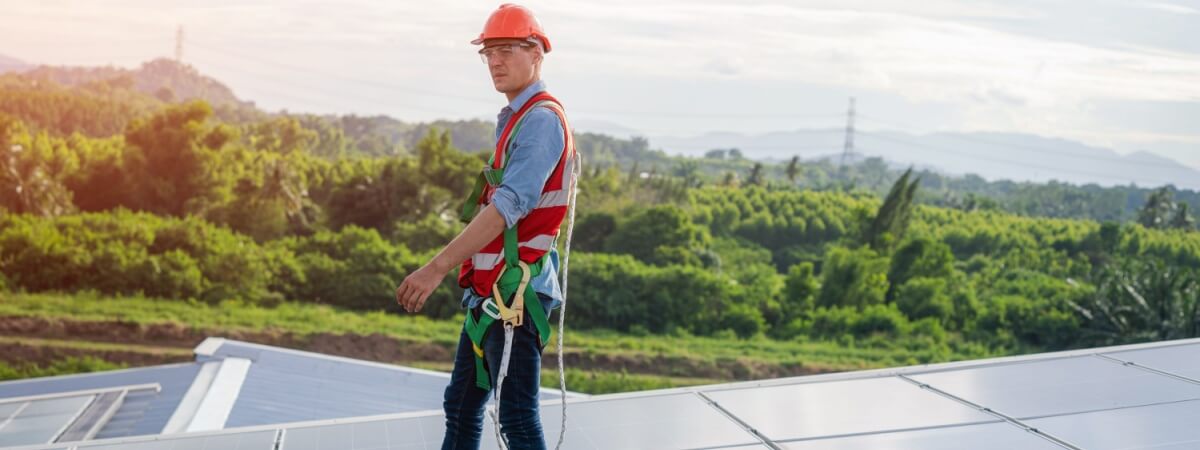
<point x="373" y="347"/>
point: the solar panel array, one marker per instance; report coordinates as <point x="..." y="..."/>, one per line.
<point x="1105" y="399"/>
<point x="143" y="411"/>
<point x="332" y="387"/>
<point x="39" y="421"/>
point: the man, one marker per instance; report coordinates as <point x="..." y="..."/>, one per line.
<point x="507" y="250"/>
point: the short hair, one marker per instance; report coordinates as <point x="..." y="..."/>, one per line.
<point x="537" y="43"/>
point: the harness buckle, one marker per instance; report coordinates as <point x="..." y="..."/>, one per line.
<point x="492" y="176"/>
<point x="489" y="307"/>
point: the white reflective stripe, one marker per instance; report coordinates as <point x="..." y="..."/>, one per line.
<point x="539" y="242"/>
<point x="486" y="261"/>
<point x="552" y="199"/>
<point x="567" y="174"/>
<point x="489" y="261"/>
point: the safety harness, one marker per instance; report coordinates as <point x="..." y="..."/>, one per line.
<point x="507" y="297"/>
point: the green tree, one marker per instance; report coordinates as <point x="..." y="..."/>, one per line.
<point x="799" y="293"/>
<point x="1137" y="300"/>
<point x="855" y="278"/>
<point x="920" y="257"/>
<point x="650" y="235"/>
<point x="891" y="221"/>
<point x="919" y="298"/>
<point x="176" y="160"/>
<point x="755" y="178"/>
<point x="592" y="230"/>
<point x="689" y="171"/>
<point x="1183" y="219"/>
<point x="793" y="169"/>
<point x="26" y="185"/>
<point x="1158" y="209"/>
<point x="281" y="135"/>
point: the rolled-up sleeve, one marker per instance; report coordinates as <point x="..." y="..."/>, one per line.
<point x="533" y="155"/>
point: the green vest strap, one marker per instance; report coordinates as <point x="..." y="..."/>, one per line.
<point x="477" y="329"/>
<point x="510" y="280"/>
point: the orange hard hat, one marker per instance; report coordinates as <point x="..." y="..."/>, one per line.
<point x="513" y="21"/>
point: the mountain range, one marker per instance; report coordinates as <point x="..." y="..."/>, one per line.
<point x="993" y="156"/>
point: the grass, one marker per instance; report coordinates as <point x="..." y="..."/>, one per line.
<point x="65" y="366"/>
<point x="302" y="319"/>
<point x="96" y="346"/>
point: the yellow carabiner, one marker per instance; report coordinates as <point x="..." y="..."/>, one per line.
<point x="515" y="315"/>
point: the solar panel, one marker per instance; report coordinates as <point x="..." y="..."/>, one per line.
<point x="1171" y="426"/>
<point x="256" y="440"/>
<point x="1086" y="400"/>
<point x="396" y="434"/>
<point x="667" y="421"/>
<point x="94" y="416"/>
<point x="1182" y="360"/>
<point x="41" y="421"/>
<point x="1059" y="386"/>
<point x="683" y="420"/>
<point x="989" y="436"/>
<point x="7" y="409"/>
<point x="800" y="411"/>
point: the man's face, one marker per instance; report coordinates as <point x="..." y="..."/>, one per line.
<point x="510" y="63"/>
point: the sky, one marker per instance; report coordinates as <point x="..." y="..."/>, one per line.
<point x="1119" y="74"/>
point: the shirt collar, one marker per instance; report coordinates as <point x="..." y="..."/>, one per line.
<point x="519" y="101"/>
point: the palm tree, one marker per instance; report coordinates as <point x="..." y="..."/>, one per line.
<point x="1142" y="300"/>
<point x="793" y="169"/>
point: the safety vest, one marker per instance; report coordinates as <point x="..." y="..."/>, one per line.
<point x="500" y="272"/>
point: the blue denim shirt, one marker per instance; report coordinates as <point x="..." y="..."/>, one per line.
<point x="534" y="153"/>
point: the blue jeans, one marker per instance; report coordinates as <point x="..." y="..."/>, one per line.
<point x="464" y="402"/>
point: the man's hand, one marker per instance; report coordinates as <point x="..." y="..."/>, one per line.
<point x="417" y="287"/>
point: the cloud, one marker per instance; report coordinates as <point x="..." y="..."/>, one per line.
<point x="1001" y="65"/>
<point x="1171" y="8"/>
<point x="924" y="58"/>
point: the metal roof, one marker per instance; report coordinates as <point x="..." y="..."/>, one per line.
<point x="1129" y="397"/>
<point x="286" y="385"/>
<point x="231" y="384"/>
<point x="142" y="412"/>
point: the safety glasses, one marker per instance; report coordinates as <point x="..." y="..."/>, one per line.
<point x="502" y="51"/>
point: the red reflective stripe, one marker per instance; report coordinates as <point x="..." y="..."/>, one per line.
<point x="498" y="155"/>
